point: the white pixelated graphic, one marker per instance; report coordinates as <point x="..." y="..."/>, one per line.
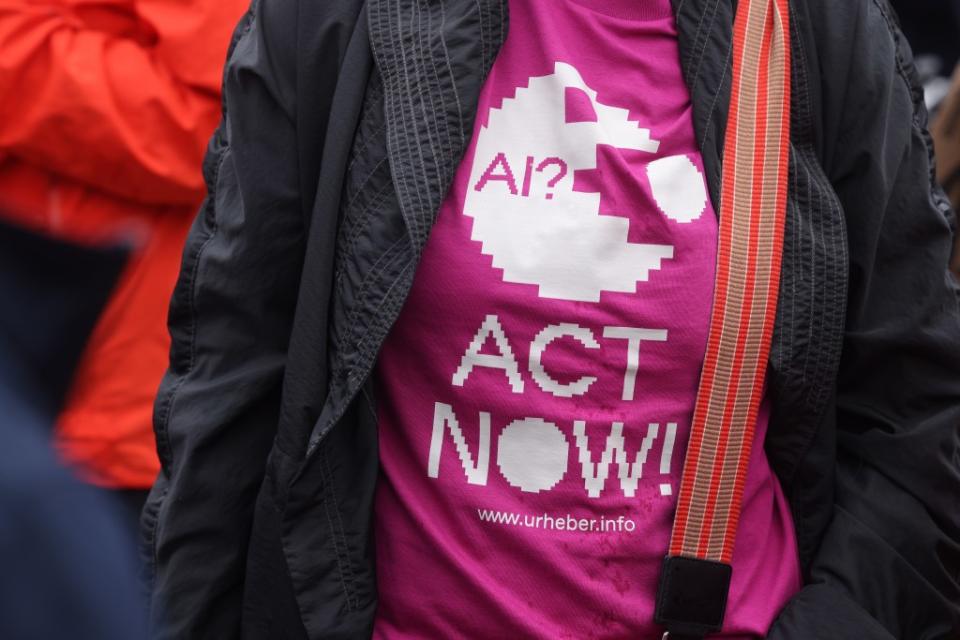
<point x="532" y="454"/>
<point x="666" y="457"/>
<point x="504" y="360"/>
<point x="445" y="419"/>
<point x="634" y="338"/>
<point x="677" y="187"/>
<point x="527" y="216"/>
<point x="595" y="474"/>
<point x="540" y="343"/>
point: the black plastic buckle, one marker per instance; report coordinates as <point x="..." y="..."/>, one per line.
<point x="692" y="597"/>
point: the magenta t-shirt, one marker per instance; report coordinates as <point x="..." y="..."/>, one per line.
<point x="537" y="390"/>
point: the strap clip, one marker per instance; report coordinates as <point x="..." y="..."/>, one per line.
<point x="692" y="597"/>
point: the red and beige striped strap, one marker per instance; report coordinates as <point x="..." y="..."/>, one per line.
<point x="752" y="214"/>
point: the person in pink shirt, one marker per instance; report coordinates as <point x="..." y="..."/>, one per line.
<point x="442" y="330"/>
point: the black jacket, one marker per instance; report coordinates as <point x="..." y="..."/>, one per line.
<point x="343" y="125"/>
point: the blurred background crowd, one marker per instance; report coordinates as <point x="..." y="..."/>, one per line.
<point x="106" y="109"/>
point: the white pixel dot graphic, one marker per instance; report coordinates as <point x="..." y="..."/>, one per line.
<point x="677" y="187"/>
<point x="532" y="454"/>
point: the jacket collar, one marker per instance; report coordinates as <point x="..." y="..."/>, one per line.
<point x="704" y="29"/>
<point x="433" y="57"/>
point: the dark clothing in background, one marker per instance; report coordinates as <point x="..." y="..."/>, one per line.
<point x="130" y="503"/>
<point x="946" y="136"/>
<point x="932" y="27"/>
<point x="344" y="122"/>
<point x="51" y="294"/>
<point x="68" y="568"/>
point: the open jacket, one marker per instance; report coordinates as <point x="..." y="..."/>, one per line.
<point x="343" y="125"/>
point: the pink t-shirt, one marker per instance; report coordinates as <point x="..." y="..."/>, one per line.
<point x="537" y="390"/>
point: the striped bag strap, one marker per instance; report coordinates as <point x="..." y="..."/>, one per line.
<point x="696" y="574"/>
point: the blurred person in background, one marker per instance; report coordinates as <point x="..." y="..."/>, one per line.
<point x="946" y="135"/>
<point x="106" y="108"/>
<point x="69" y="568"/>
<point x="933" y="28"/>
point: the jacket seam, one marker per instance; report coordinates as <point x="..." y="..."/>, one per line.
<point x="435" y="83"/>
<point x="381" y="266"/>
<point x="338" y="536"/>
<point x="351" y="223"/>
<point x="353" y="229"/>
<point x="173" y="393"/>
<point x="716" y="94"/>
<point x="834" y="335"/>
<point x="918" y="108"/>
<point x="403" y="271"/>
<point x="430" y="127"/>
<point x="154" y="530"/>
<point x="338" y="555"/>
<point x="353" y="375"/>
<point x="706" y="39"/>
<point x="377" y="91"/>
<point x="895" y="34"/>
<point x="369" y="401"/>
<point x="446" y="56"/>
<point x="363" y="147"/>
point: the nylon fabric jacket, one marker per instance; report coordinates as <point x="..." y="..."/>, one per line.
<point x="343" y="125"/>
<point x="105" y="112"/>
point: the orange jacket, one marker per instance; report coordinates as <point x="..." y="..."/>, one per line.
<point x="106" y="109"/>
